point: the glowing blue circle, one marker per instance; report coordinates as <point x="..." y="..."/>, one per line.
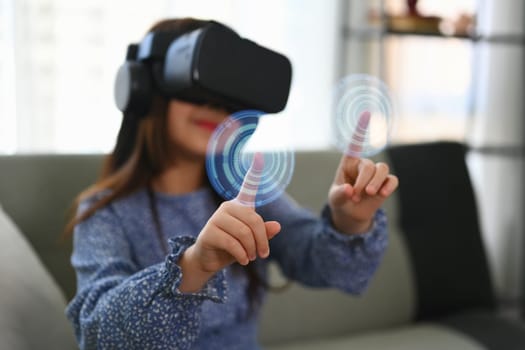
<point x="363" y="118"/>
<point x="227" y="161"/>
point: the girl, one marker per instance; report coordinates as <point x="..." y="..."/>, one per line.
<point x="161" y="263"/>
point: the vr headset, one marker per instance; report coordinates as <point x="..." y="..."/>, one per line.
<point x="211" y="65"/>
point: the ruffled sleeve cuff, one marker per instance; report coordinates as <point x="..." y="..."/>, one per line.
<point x="376" y="237"/>
<point x="348" y="261"/>
<point x="216" y="287"/>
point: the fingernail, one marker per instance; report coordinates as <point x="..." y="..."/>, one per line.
<point x="265" y="254"/>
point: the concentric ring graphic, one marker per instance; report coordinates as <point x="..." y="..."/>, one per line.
<point x="228" y="162"/>
<point x="363" y="118"/>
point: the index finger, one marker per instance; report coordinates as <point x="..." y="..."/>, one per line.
<point x="359" y="136"/>
<point x="248" y="191"/>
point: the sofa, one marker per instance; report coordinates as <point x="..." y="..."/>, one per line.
<point x="433" y="289"/>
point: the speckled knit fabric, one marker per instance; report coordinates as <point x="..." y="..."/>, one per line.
<point x="128" y="297"/>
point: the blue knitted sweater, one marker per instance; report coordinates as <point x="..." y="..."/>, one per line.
<point x="127" y="287"/>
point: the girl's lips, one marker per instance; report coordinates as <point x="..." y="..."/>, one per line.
<point x="204" y="124"/>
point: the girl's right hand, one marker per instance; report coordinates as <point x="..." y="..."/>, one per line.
<point x="235" y="232"/>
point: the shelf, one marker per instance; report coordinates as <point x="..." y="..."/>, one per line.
<point x="427" y="34"/>
<point x="378" y="33"/>
<point x="513" y="151"/>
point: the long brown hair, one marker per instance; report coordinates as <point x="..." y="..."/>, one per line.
<point x="141" y="154"/>
<point x="141" y="151"/>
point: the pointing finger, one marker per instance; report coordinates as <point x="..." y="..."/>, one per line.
<point x="249" y="187"/>
<point x="358" y="138"/>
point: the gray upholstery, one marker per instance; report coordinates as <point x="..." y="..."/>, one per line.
<point x="422" y="336"/>
<point x="37" y="190"/>
<point x="31" y="304"/>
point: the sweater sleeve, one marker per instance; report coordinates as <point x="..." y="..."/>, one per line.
<point x="118" y="306"/>
<point x="311" y="251"/>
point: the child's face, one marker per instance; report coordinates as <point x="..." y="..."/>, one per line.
<point x="190" y="126"/>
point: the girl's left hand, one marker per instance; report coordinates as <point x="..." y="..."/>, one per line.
<point x="359" y="189"/>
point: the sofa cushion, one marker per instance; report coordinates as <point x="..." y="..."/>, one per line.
<point x="37" y="191"/>
<point x="423" y="336"/>
<point x="31" y="304"/>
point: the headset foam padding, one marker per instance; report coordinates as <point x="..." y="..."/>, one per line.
<point x="133" y="88"/>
